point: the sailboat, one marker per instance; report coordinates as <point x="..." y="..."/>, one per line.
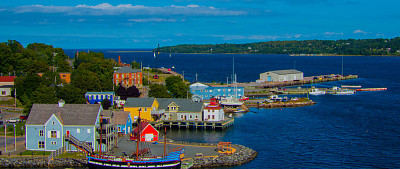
<point x="170" y="161"/>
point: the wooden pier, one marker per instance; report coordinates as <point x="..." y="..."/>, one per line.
<point x="195" y="124"/>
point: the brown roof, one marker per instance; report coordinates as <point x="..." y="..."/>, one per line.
<point x="69" y="114"/>
<point x="120" y="117"/>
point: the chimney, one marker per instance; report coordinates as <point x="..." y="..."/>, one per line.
<point x="61" y="103"/>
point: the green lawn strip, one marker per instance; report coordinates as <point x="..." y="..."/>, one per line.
<point x="29" y="152"/>
<point x="10" y="129"/>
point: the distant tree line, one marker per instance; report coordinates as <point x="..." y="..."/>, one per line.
<point x="367" y="47"/>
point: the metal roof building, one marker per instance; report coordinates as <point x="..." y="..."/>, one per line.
<point x="281" y="75"/>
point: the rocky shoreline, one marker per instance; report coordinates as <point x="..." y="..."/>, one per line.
<point x="242" y="155"/>
<point x="40" y="162"/>
<point x="281" y="104"/>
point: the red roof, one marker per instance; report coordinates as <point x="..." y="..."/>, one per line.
<point x="7" y="78"/>
<point x="215" y="107"/>
<point x="143" y="125"/>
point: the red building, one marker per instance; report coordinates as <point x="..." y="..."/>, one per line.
<point x="128" y="77"/>
<point x="147" y="132"/>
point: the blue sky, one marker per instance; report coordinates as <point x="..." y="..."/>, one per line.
<point x="146" y="23"/>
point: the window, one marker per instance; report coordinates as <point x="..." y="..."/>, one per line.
<point x="196" y="116"/>
<point x="53" y="123"/>
<point x="181" y="116"/>
<point x="53" y="134"/>
<point x="210" y="91"/>
<point x="206" y="91"/>
<point x="190" y="116"/>
<point x="41" y="133"/>
<point x="193" y="91"/>
<point x="201" y="91"/>
<point x="78" y="130"/>
<point x="108" y="97"/>
<point x="119" y="129"/>
<point x="208" y="116"/>
<point x="219" y="90"/>
<point x="229" y="90"/>
<point x="206" y="95"/>
<point x="123" y="75"/>
<point x="213" y="116"/>
<point x="41" y="144"/>
<point x="88" y="130"/>
<point x="239" y="90"/>
<point x="54" y="142"/>
<point x="3" y="92"/>
<point x="90" y="97"/>
<point x="63" y="75"/>
<point x="145" y="109"/>
<point x="117" y="77"/>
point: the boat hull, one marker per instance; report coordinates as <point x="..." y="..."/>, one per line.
<point x="122" y="165"/>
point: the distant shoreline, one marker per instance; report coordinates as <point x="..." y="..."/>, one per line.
<point x="129" y="51"/>
<point x="280" y="54"/>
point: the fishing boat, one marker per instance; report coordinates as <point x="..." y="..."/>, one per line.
<point x="137" y="159"/>
<point x="240" y="111"/>
<point x="344" y="92"/>
<point x="315" y="91"/>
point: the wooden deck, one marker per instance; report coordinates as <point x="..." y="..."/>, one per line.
<point x="195" y="124"/>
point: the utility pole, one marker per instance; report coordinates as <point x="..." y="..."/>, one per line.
<point x="15" y="99"/>
<point x="227" y="80"/>
<point x="196" y="77"/>
<point x="15" y="140"/>
<point x="183" y="79"/>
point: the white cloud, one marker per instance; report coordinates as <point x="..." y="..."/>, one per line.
<point x="129" y="9"/>
<point x="152" y="20"/>
<point x="359" y="31"/>
<point x="333" y="33"/>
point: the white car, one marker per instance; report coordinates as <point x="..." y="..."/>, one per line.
<point x="13" y="120"/>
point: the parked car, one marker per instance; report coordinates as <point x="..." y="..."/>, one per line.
<point x="13" y="120"/>
<point x="23" y="117"/>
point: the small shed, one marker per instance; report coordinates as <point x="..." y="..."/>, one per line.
<point x="147" y="132"/>
<point x="281" y="75"/>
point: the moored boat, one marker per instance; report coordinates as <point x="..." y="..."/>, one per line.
<point x="138" y="159"/>
<point x="315" y="91"/>
<point x="344" y="92"/>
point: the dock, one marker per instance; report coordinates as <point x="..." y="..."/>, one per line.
<point x="194" y="124"/>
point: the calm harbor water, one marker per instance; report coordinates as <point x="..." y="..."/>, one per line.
<point x="356" y="131"/>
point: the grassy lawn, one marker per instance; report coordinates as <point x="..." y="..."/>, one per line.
<point x="10" y="129"/>
<point x="28" y="152"/>
<point x="72" y="155"/>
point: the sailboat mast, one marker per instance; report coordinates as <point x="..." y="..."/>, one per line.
<point x="138" y="136"/>
<point x="165" y="139"/>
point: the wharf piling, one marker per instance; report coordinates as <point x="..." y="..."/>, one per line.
<point x="195" y="124"/>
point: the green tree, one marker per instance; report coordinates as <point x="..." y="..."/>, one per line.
<point x="45" y="95"/>
<point x="71" y="94"/>
<point x="159" y="91"/>
<point x="170" y="81"/>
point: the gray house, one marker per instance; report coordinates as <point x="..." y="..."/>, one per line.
<point x="281" y="75"/>
<point x="181" y="109"/>
<point x="48" y="124"/>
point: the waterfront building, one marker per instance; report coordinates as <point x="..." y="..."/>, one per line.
<point x="181" y="109"/>
<point x="98" y="97"/>
<point x="6" y="84"/>
<point x="146" y="105"/>
<point x="204" y="92"/>
<point x="147" y="132"/>
<point x="48" y="124"/>
<point x="281" y="76"/>
<point x="213" y="112"/>
<point x="123" y="121"/>
<point x="128" y="77"/>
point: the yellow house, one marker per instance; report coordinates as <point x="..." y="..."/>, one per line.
<point x="146" y="105"/>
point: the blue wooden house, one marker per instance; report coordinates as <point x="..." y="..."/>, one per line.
<point x="49" y="124"/>
<point x="201" y="92"/>
<point x="98" y="97"/>
<point x="124" y="121"/>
